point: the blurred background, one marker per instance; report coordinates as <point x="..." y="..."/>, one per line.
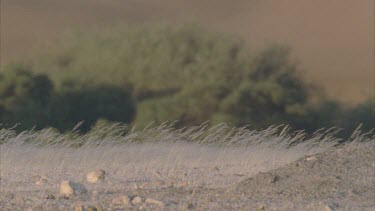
<point x="309" y="64"/>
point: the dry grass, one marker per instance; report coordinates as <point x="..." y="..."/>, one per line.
<point x="148" y="161"/>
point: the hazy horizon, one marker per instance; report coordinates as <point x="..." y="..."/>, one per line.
<point x="331" y="40"/>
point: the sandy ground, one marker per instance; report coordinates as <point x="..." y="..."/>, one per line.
<point x="187" y="176"/>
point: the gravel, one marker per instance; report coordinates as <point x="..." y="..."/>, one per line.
<point x="190" y="177"/>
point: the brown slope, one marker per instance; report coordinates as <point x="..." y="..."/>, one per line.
<point x="345" y="175"/>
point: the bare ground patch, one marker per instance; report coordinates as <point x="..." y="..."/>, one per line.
<point x="176" y="175"/>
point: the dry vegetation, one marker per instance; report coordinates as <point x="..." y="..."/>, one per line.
<point x="195" y="168"/>
<point x="108" y="166"/>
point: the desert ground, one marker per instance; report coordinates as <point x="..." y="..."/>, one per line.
<point x="201" y="167"/>
<point x="332" y="41"/>
<point x="258" y="170"/>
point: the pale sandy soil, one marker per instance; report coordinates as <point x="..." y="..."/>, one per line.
<point x="192" y="176"/>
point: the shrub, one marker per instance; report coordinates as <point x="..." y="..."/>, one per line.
<point x="185" y="74"/>
<point x="271" y="93"/>
<point x="31" y="100"/>
<point x="87" y="105"/>
<point x="142" y="74"/>
<point x="24" y="97"/>
<point x="362" y="114"/>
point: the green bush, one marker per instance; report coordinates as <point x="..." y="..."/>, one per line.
<point x="87" y="105"/>
<point x="272" y="92"/>
<point x="24" y="97"/>
<point x="325" y="113"/>
<point x="185" y="74"/>
<point x="328" y="113"/>
<point x="30" y="100"/>
<point x="143" y="74"/>
<point x="362" y="114"/>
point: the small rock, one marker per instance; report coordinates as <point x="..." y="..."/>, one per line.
<point x="95" y="176"/>
<point x="311" y="158"/>
<point x="141" y="208"/>
<point x="269" y="177"/>
<point x="80" y="207"/>
<point x="42" y="180"/>
<point x="69" y="188"/>
<point x="183" y="184"/>
<point x="327" y="208"/>
<point x="261" y="208"/>
<point x="137" y="200"/>
<point x="155" y="202"/>
<point x="91" y="208"/>
<point x="323" y="206"/>
<point x="121" y="200"/>
<point x="330" y="207"/>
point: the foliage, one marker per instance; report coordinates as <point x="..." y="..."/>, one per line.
<point x="328" y="113"/>
<point x="362" y="114"/>
<point x="87" y="105"/>
<point x="30" y="99"/>
<point x="143" y="74"/>
<point x="24" y="97"/>
<point x="272" y="92"/>
<point x="185" y="74"/>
